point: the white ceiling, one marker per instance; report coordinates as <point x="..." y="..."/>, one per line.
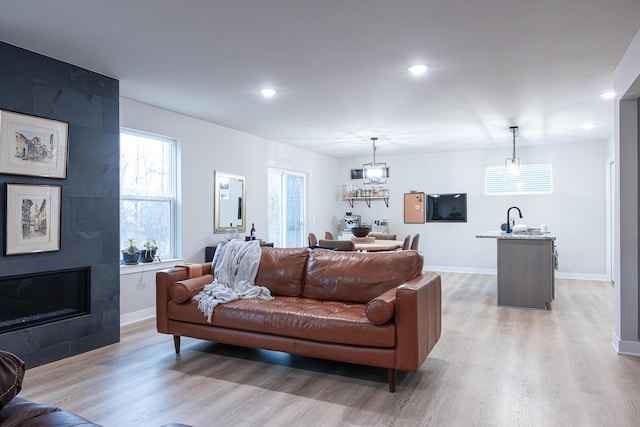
<point x="340" y="65"/>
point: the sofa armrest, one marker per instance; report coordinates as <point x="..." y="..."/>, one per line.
<point x="418" y="320"/>
<point x="183" y="290"/>
<point x="165" y="278"/>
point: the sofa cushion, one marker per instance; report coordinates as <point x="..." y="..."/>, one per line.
<point x="302" y="318"/>
<point x="381" y="309"/>
<point x="184" y="290"/>
<point x="282" y="270"/>
<point x="11" y="375"/>
<point x="358" y="277"/>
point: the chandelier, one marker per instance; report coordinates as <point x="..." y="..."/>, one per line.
<point x="512" y="165"/>
<point x="374" y="172"/>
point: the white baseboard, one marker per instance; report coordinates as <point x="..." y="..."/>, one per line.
<point x="628" y="348"/>
<point x="137" y="316"/>
<point x="450" y="269"/>
<point x="582" y="276"/>
<point x="559" y="275"/>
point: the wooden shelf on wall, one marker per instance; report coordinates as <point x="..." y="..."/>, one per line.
<point x="368" y="200"/>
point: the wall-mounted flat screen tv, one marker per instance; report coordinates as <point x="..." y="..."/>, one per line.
<point x="447" y="207"/>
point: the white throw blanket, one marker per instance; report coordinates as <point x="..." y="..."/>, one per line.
<point x="235" y="267"/>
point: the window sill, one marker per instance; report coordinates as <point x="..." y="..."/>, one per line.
<point x="151" y="266"/>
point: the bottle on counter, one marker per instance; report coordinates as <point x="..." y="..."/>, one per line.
<point x="253" y="232"/>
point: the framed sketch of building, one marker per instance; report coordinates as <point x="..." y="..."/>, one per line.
<point x="32" y="145"/>
<point x="32" y="218"/>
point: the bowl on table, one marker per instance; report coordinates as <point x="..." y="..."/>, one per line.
<point x="360" y="231"/>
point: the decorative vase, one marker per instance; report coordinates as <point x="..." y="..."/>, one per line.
<point x="130" y="259"/>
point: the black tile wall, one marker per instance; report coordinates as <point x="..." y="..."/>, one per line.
<point x="37" y="85"/>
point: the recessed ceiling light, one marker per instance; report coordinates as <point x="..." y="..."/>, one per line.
<point x="588" y="126"/>
<point x="608" y="95"/>
<point x="268" y="92"/>
<point x="418" y="69"/>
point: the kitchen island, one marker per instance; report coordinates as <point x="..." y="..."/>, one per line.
<point x="526" y="264"/>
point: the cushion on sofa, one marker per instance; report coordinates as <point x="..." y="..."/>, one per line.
<point x="381" y="309"/>
<point x="358" y="277"/>
<point x="293" y="317"/>
<point x="282" y="270"/>
<point x="184" y="290"/>
<point x="11" y="375"/>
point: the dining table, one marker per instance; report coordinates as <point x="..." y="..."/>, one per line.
<point x="378" y="245"/>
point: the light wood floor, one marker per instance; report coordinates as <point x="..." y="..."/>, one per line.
<point x="492" y="367"/>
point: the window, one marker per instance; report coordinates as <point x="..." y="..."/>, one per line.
<point x="148" y="190"/>
<point x="287" y="195"/>
<point x="533" y="179"/>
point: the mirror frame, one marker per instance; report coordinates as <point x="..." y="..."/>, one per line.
<point x="217" y="177"/>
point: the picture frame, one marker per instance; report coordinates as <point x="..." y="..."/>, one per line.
<point x="32" y="218"/>
<point x="33" y="146"/>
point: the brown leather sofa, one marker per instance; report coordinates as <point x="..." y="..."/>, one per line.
<point x="18" y="412"/>
<point x="375" y="309"/>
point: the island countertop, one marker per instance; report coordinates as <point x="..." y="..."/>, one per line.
<point x="519" y="236"/>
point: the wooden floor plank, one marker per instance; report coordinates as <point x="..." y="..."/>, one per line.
<point x="493" y="366"/>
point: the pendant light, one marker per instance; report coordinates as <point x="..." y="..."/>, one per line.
<point x="512" y="165"/>
<point x="374" y="172"/>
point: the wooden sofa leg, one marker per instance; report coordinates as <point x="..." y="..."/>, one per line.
<point x="391" y="378"/>
<point x="176" y="343"/>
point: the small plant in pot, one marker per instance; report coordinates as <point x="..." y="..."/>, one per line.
<point x="148" y="254"/>
<point x="130" y="252"/>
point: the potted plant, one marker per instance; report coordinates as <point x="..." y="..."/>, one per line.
<point x="148" y="254"/>
<point x="130" y="252"/>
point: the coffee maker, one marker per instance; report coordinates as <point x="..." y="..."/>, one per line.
<point x="351" y="221"/>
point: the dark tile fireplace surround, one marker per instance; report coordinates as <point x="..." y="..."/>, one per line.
<point x="84" y="308"/>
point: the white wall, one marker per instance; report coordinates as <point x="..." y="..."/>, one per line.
<point x="575" y="211"/>
<point x="206" y="147"/>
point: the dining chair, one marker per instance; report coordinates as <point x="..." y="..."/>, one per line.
<point x="407" y="241"/>
<point x="414" y="242"/>
<point x="312" y="239"/>
<point x="339" y="245"/>
<point x="328" y="235"/>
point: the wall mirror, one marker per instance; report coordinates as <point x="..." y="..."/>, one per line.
<point x="229" y="202"/>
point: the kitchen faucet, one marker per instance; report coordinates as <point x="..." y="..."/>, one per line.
<point x="509" y="228"/>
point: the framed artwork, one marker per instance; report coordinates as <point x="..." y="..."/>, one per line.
<point x="33" y="219"/>
<point x="32" y="145"/>
<point x="414" y="208"/>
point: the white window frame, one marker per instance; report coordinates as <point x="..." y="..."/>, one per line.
<point x="173" y="200"/>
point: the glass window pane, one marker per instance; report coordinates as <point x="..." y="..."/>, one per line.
<point x="147" y="219"/>
<point x="295" y="211"/>
<point x="145" y="166"/>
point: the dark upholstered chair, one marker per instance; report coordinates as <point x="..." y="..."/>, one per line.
<point x="414" y="242"/>
<point x="312" y="239"/>
<point x="328" y="235"/>
<point x="340" y="245"/>
<point x="15" y="411"/>
<point x="407" y="243"/>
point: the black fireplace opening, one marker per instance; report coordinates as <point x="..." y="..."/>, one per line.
<point x="37" y="298"/>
